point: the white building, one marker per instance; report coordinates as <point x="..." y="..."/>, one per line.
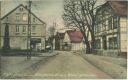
<point x="73" y="40"/>
<point x="111" y="29"/>
<point x="17" y="22"/>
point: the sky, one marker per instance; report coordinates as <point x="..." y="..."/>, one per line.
<point x="49" y="11"/>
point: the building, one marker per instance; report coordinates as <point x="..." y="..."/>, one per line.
<point x="59" y="40"/>
<point x="14" y="30"/>
<point x="111" y="28"/>
<point x="73" y="40"/>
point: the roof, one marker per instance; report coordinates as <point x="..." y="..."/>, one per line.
<point x="75" y="36"/>
<point x="26" y="9"/>
<point x="60" y="35"/>
<point x="119" y="7"/>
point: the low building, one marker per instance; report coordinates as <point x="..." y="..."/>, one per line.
<point x="111" y="28"/>
<point x="15" y="31"/>
<point x="59" y="40"/>
<point x="73" y="40"/>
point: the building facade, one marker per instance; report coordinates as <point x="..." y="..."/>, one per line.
<point x="111" y="29"/>
<point x="59" y="40"/>
<point x="16" y="24"/>
<point x="73" y="40"/>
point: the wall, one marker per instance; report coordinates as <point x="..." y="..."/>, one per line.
<point x="77" y="46"/>
<point x="123" y="34"/>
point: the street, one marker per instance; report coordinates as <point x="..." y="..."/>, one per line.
<point x="68" y="65"/>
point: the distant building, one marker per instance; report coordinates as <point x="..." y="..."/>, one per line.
<point x="111" y="28"/>
<point x="59" y="40"/>
<point x="16" y="23"/>
<point x="73" y="40"/>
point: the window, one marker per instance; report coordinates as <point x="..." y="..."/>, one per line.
<point x="21" y="9"/>
<point x="17" y="16"/>
<point x="110" y="23"/>
<point x="17" y="29"/>
<point x="98" y="44"/>
<point x="104" y="26"/>
<point x="24" y="17"/>
<point x="98" y="28"/>
<point x="34" y="19"/>
<point x="113" y="43"/>
<point x="33" y="29"/>
<point x="110" y="43"/>
<point x="24" y="29"/>
<point x="115" y="22"/>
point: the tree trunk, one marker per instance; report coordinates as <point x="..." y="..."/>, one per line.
<point x="92" y="42"/>
<point x="88" y="49"/>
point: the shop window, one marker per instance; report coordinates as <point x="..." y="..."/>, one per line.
<point x="113" y="43"/>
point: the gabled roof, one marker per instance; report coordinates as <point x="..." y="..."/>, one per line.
<point x="118" y="7"/>
<point x="24" y="8"/>
<point x="75" y="36"/>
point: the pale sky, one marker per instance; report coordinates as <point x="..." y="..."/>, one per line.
<point x="47" y="10"/>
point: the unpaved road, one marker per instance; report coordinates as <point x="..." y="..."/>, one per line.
<point x="68" y="65"/>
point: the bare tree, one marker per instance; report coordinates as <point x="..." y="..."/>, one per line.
<point x="81" y="14"/>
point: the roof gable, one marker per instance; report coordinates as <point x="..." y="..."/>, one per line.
<point x="117" y="7"/>
<point x="24" y="8"/>
<point x="75" y="36"/>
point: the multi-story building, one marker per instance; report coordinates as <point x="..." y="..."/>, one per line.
<point x="111" y="28"/>
<point x="16" y="24"/>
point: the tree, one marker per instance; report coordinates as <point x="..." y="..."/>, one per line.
<point x="6" y="45"/>
<point x="81" y="14"/>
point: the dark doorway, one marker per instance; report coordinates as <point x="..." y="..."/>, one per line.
<point x="104" y="42"/>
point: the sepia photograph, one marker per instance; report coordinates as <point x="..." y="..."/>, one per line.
<point x="63" y="39"/>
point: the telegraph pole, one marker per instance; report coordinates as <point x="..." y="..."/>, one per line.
<point x="29" y="32"/>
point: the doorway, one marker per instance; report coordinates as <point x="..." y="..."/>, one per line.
<point x="104" y="42"/>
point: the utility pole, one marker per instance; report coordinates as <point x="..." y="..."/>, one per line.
<point x="29" y="32"/>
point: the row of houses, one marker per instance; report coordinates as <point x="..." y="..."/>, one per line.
<point x="71" y="40"/>
<point x="14" y="30"/>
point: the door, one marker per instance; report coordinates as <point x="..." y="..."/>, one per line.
<point x="104" y="42"/>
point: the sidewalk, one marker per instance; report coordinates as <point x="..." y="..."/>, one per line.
<point x="115" y="67"/>
<point x="15" y="65"/>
